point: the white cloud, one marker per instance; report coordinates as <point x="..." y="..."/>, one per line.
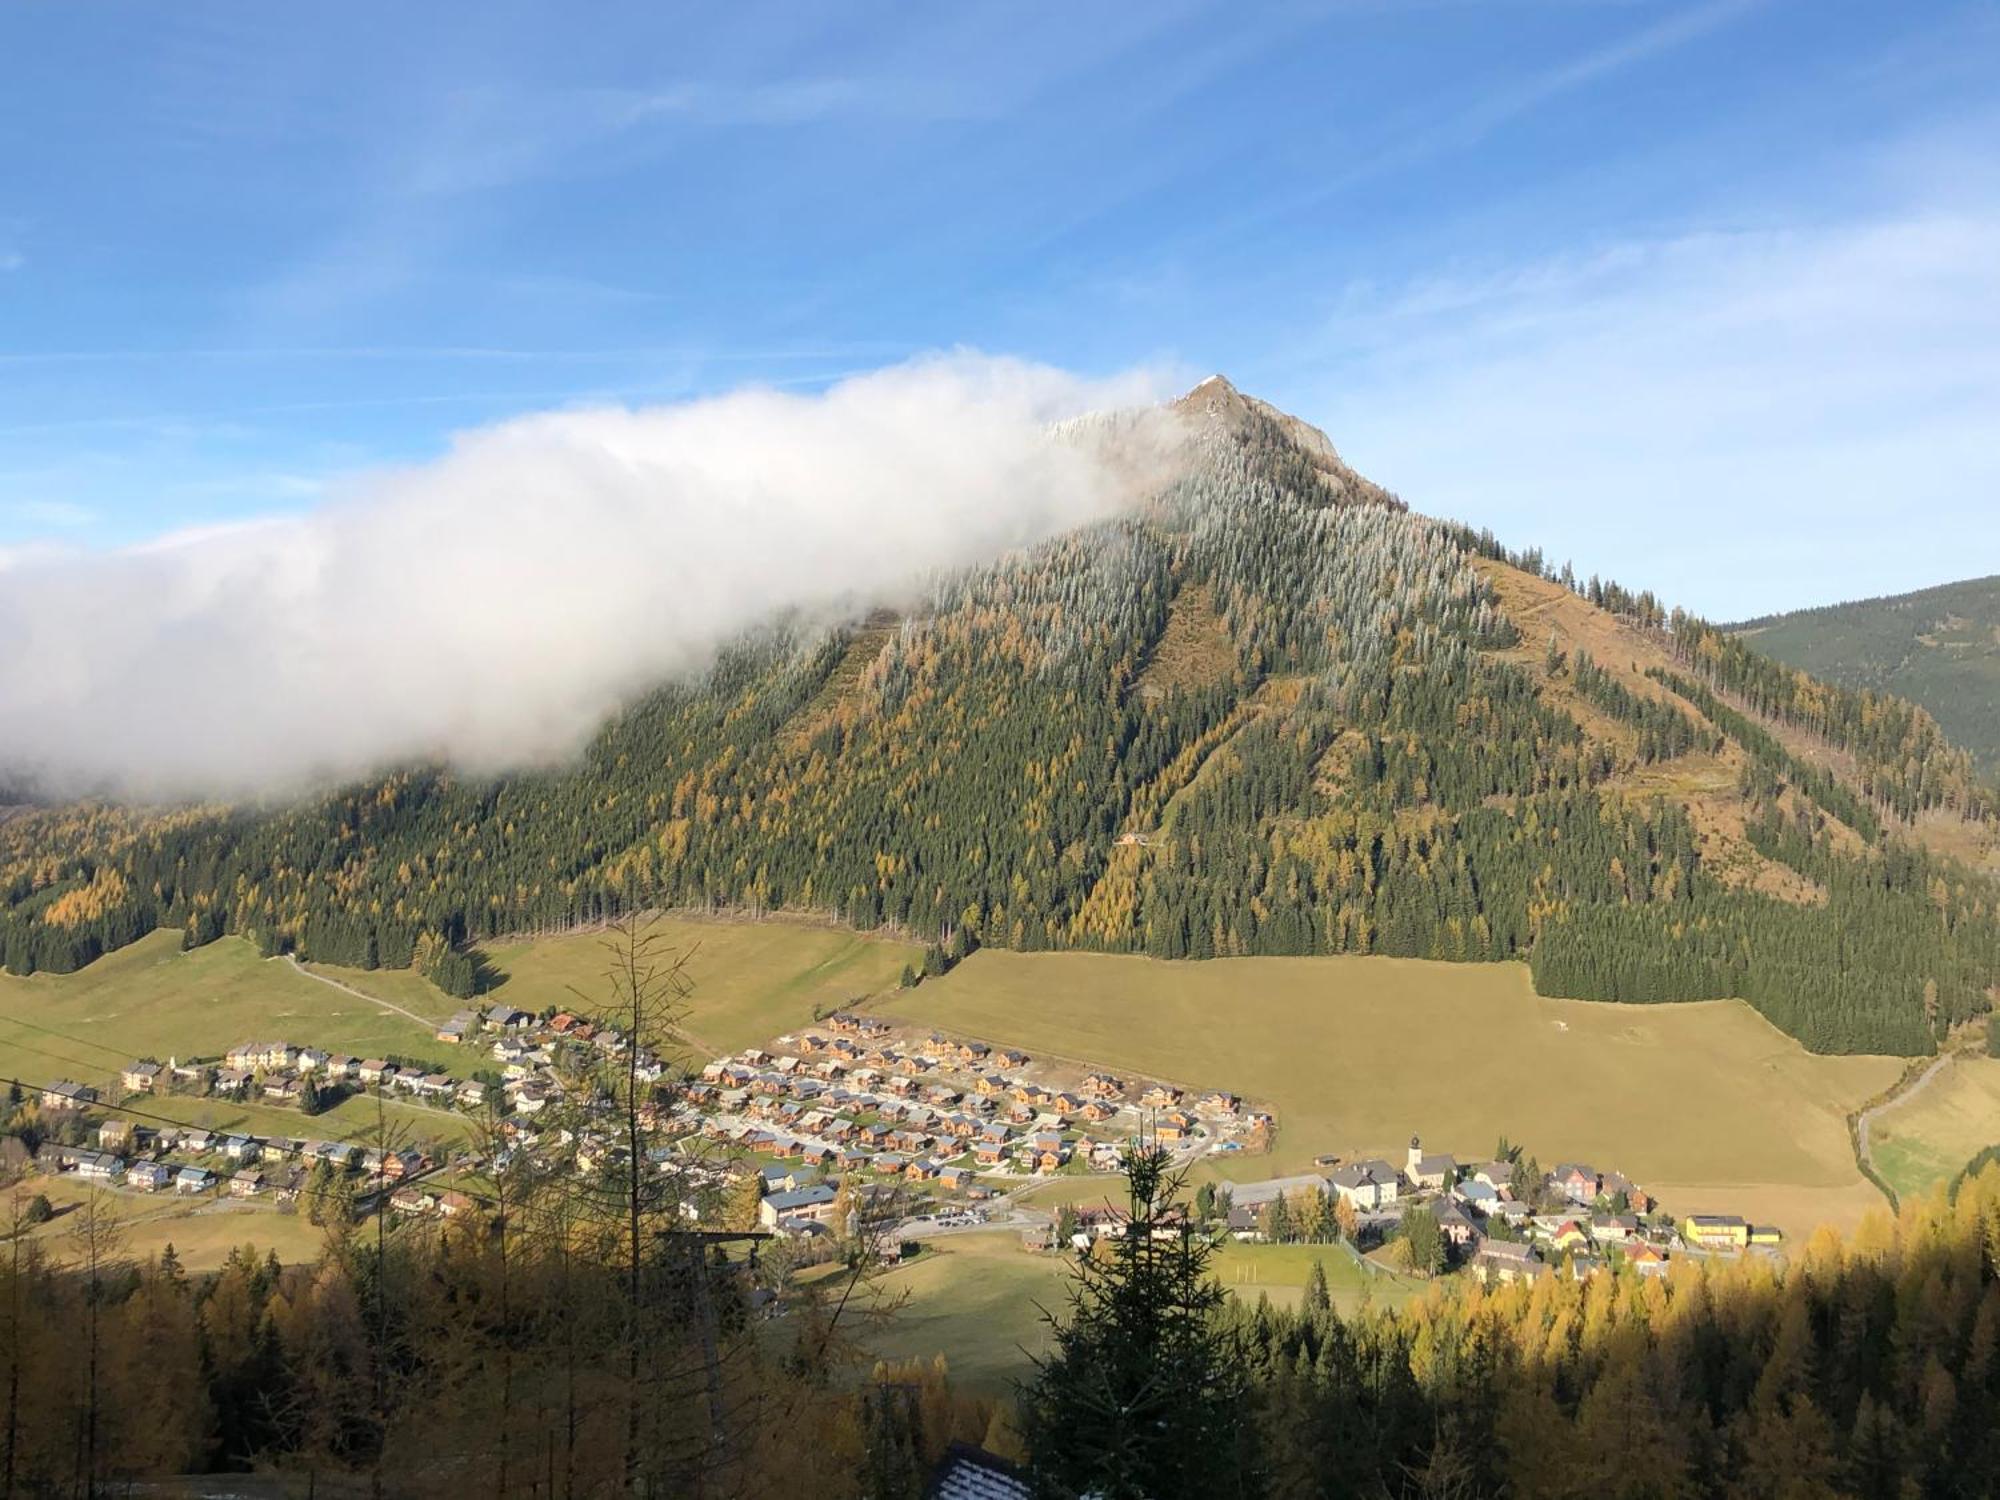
<point x="1747" y="420"/>
<point x="493" y="606"/>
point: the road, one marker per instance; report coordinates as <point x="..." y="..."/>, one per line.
<point x="1895" y="1096"/>
<point x="348" y="989"/>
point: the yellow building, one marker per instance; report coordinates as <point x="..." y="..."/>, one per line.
<point x="1716" y="1231"/>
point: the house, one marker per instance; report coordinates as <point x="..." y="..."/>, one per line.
<point x="231" y="1080"/>
<point x="1454" y="1224"/>
<point x="458" y="1028"/>
<point x="100" y="1166"/>
<point x="117" y="1135"/>
<point x="969" y="1473"/>
<point x="810" y="1203"/>
<point x="193" y="1180"/>
<point x="1716" y="1231"/>
<point x="373" y="1070"/>
<point x="285" y="1089"/>
<point x="1012" y="1059"/>
<point x="1768" y="1235"/>
<point x="472" y="1093"/>
<point x="1477" y="1193"/>
<point x="1423" y="1171"/>
<point x="506" y="1018"/>
<point x="1102" y="1086"/>
<point x="411" y="1200"/>
<point x="1173" y="1127"/>
<point x="140" y="1077"/>
<point x="1613" y="1229"/>
<point x="1646" y="1260"/>
<point x="311" y="1059"/>
<point x="1257" y="1196"/>
<point x="1221" y="1102"/>
<point x="454" y="1205"/>
<point x="1569" y="1236"/>
<point x="65" y="1094"/>
<point x="242" y="1148"/>
<point x="1368" y="1185"/>
<point x="248" y="1182"/>
<point x="340" y="1065"/>
<point x="1505" y="1261"/>
<point x="1576" y="1182"/>
<point x="148" y="1176"/>
<point x="1160" y="1096"/>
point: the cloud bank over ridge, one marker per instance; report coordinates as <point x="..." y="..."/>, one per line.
<point x="492" y="607"/>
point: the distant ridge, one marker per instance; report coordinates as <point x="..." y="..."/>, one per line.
<point x="1937" y="646"/>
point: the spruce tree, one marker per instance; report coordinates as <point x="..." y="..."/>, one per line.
<point x="1144" y="1396"/>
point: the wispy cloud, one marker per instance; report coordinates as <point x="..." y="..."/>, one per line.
<point x="12" y="260"/>
<point x="1727" y="408"/>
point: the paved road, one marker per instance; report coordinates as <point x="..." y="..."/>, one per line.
<point x="348" y="989"/>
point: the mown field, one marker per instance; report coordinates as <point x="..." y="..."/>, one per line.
<point x="1705" y="1104"/>
<point x="752" y="980"/>
<point x="1921" y="1141"/>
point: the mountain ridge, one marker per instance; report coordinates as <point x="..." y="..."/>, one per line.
<point x="1269" y="710"/>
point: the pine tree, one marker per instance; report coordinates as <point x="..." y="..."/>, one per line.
<point x="1144" y="1396"/>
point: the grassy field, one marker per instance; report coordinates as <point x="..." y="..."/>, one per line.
<point x="202" y="1234"/>
<point x="1922" y="1141"/>
<point x="151" y="998"/>
<point x="977" y="1298"/>
<point x="1705" y="1104"/>
<point x="752" y="980"/>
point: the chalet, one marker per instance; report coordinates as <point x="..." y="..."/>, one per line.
<point x="148" y="1176"/>
<point x="472" y="1093"/>
<point x="374" y="1070"/>
<point x="340" y="1065"/>
<point x="888" y="1163"/>
<point x="1012" y="1059"/>
<point x="246" y="1183"/>
<point x="100" y="1166"/>
<point x="1160" y="1096"/>
<point x="1221" y="1102"/>
<point x="312" y="1060"/>
<point x="436" y="1085"/>
<point x="1505" y="1261"/>
<point x="1369" y="1184"/>
<point x="140" y="1077"/>
<point x="193" y="1180"/>
<point x="285" y="1088"/>
<point x="412" y="1201"/>
<point x="242" y="1148"/>
<point x="991" y="1084"/>
<point x="231" y="1080"/>
<point x="65" y="1094"/>
<point x="458" y="1028"/>
<point x="921" y="1169"/>
<point x="1432" y="1172"/>
<point x="562" y="1023"/>
<point x="812" y="1203"/>
<point x="955" y="1177"/>
<point x="1097" y="1111"/>
<point x="506" y="1018"/>
<point x="1173" y="1127"/>
<point x="1102" y="1086"/>
<point x="1051" y="1159"/>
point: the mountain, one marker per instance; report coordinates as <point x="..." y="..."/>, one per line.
<point x="1268" y="710"/>
<point x="1939" y="647"/>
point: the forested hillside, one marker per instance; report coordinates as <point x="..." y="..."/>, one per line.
<point x="1272" y="711"/>
<point x="1939" y="647"/>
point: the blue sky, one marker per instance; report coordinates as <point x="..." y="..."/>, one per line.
<point x="1704" y="296"/>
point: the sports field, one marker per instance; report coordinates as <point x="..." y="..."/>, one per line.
<point x="1928" y="1138"/>
<point x="1705" y="1104"/>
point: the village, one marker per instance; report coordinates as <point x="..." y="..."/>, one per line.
<point x="956" y="1126"/>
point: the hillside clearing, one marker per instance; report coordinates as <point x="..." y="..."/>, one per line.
<point x="1928" y="1138"/>
<point x="1354" y="1054"/>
